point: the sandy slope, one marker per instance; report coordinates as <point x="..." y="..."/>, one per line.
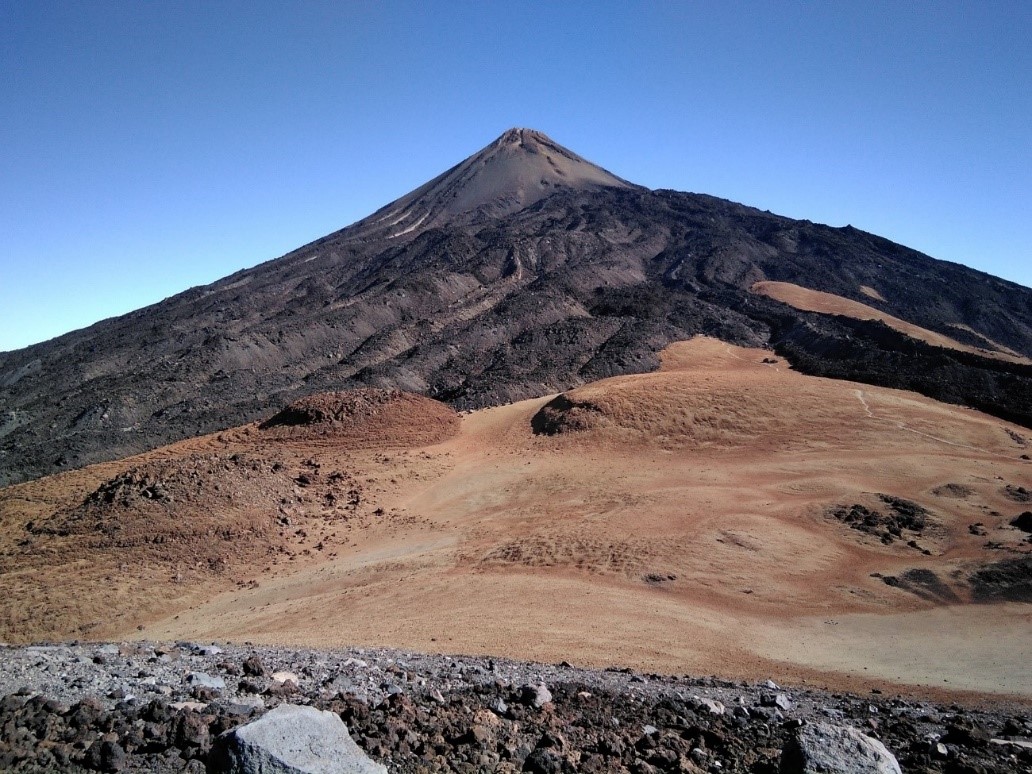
<point x="681" y="528"/>
<point x="828" y="303"/>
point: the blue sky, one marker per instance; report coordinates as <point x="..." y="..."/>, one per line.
<point x="149" y="147"/>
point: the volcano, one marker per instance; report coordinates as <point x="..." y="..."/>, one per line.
<point x="523" y="271"/>
<point x="518" y="169"/>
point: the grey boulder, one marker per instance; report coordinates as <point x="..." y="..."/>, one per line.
<point x="291" y="739"/>
<point x="823" y="748"/>
<point x="536" y="696"/>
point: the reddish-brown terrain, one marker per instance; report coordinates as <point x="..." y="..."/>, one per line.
<point x="723" y="514"/>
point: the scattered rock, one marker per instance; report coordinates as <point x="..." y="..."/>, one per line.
<point x="107" y="756"/>
<point x="709" y="705"/>
<point x="192" y="706"/>
<point x="903" y="516"/>
<point x="956" y="491"/>
<point x="1025" y="744"/>
<point x="253" y="666"/>
<point x="1018" y="494"/>
<point x="1009" y="580"/>
<point x="779" y="700"/>
<point x="422" y="713"/>
<point x="966" y="734"/>
<point x="204" y="680"/>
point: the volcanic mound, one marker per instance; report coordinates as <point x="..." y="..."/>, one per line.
<point x="364" y="418"/>
<point x="658" y="409"/>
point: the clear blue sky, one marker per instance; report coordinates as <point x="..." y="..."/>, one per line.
<point x="149" y="147"/>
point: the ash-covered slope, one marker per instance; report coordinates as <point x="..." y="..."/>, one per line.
<point x="518" y="169"/>
<point x="523" y="270"/>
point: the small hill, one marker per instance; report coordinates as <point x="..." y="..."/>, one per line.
<point x="367" y="418"/>
<point x="215" y="512"/>
<point x="680" y="405"/>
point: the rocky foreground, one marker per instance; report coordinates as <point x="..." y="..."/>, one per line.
<point x="162" y="707"/>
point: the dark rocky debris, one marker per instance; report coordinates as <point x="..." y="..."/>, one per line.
<point x="414" y="713"/>
<point x="1009" y="580"/>
<point x="902" y="519"/>
<point x="1023" y="521"/>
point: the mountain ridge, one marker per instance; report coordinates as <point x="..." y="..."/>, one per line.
<point x="510" y="299"/>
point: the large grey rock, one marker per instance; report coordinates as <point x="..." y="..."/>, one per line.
<point x="822" y="748"/>
<point x="536" y="695"/>
<point x="291" y="739"/>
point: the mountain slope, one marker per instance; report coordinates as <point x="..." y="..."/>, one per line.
<point x="523" y="270"/>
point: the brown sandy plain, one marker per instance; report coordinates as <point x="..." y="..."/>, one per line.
<point x="679" y="523"/>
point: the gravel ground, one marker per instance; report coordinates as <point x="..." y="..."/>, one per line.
<point x="157" y="707"/>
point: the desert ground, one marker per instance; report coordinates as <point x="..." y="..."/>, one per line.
<point x="692" y="520"/>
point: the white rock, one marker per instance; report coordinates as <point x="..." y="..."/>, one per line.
<point x="1016" y="742"/>
<point x="537" y="695"/>
<point x="827" y="749"/>
<point x="283" y="677"/>
<point x="291" y="739"/>
<point x="711" y="706"/>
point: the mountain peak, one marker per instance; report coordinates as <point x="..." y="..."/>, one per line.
<point x="521" y="167"/>
<point x="519" y="135"/>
